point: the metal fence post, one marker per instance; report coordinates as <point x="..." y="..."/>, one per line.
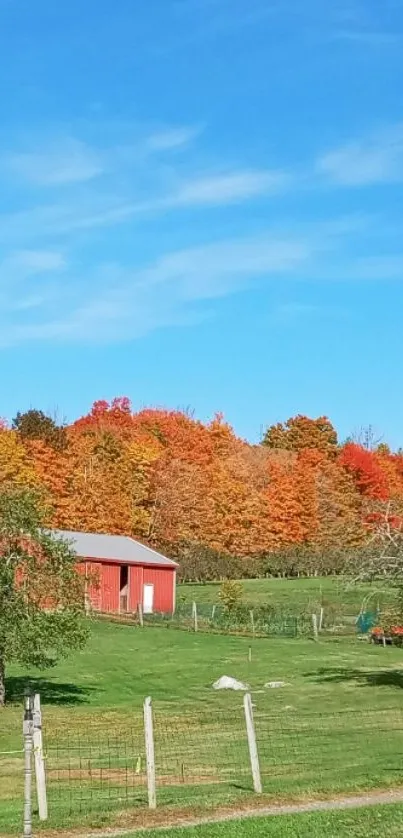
<point x="39" y="760"/>
<point x="253" y="752"/>
<point x="150" y="753"/>
<point x="28" y="730"/>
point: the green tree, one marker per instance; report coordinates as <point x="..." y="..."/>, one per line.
<point x="41" y="592"/>
<point x="34" y="424"/>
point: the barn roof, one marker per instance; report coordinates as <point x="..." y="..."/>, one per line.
<point x="113" y="548"/>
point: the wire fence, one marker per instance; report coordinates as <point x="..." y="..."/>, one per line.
<point x="202" y="758"/>
<point x="259" y="621"/>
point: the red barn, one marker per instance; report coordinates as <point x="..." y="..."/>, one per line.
<point x="123" y="573"/>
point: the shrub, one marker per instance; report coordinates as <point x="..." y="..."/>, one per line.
<point x="231" y="594"/>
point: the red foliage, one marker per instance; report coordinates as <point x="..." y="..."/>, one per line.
<point x="113" y="416"/>
<point x="363" y="465"/>
<point x="164" y="476"/>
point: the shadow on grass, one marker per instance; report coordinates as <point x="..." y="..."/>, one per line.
<point x="51" y="692"/>
<point x="379" y="678"/>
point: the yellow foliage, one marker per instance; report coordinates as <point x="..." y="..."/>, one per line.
<point x="14" y="462"/>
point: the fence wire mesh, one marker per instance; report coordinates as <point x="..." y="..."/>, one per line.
<point x="96" y="767"/>
<point x="261" y="621"/>
<point x="202" y="758"/>
<point x="264" y="620"/>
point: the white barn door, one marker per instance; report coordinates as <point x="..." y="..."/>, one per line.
<point x="148" y="599"/>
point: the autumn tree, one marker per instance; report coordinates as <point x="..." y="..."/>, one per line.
<point x="15" y="466"/>
<point x="365" y="470"/>
<point x="34" y="424"/>
<point x="300" y="432"/>
<point x="53" y="472"/>
<point x="178" y="511"/>
<point x="201" y="494"/>
<point x="283" y="507"/>
<point x="41" y="593"/>
<point x="366" y="437"/>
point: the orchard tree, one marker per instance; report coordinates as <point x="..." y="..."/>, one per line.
<point x="41" y="592"/>
<point x="380" y="558"/>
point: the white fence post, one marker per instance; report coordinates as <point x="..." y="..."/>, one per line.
<point x="28" y="729"/>
<point x="194" y="615"/>
<point x="315" y="626"/>
<point x="252" y="621"/>
<point x="150" y="754"/>
<point x="39" y="760"/>
<point x="253" y="752"/>
<point x="140" y="611"/>
<point x="322" y="613"/>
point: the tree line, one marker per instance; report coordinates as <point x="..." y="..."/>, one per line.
<point x="296" y="503"/>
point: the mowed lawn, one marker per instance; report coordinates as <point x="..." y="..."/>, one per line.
<point x="357" y="823"/>
<point x="295" y="595"/>
<point x="336" y="725"/>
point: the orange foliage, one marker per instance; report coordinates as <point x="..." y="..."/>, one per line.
<point x="167" y="478"/>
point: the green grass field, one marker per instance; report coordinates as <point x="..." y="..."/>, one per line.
<point x="360" y="823"/>
<point x="295" y="594"/>
<point x="336" y="726"/>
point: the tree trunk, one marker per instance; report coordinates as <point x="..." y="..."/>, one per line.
<point x="2" y="683"/>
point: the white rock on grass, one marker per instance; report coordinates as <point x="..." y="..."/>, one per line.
<point x="273" y="685"/>
<point x="227" y="683"/>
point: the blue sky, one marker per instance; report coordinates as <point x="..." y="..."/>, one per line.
<point x="201" y="206"/>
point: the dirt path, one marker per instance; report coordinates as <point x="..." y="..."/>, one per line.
<point x="348" y="802"/>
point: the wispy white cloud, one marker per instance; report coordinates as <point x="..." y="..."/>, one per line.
<point x="350" y="21"/>
<point x="25" y="263"/>
<point x="230" y="188"/>
<point x="378" y="159"/>
<point x="63" y="160"/>
<point x="112" y="302"/>
<point x="172" y="138"/>
<point x="97" y="208"/>
<point x="68" y="161"/>
<point x="118" y="303"/>
<point x="26" y="281"/>
<point x="39" y="261"/>
<point x="217" y="269"/>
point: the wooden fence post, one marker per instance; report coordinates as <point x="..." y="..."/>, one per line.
<point x="213" y="612"/>
<point x="315" y="626"/>
<point x="194" y="615"/>
<point x="252" y="622"/>
<point x="322" y="612"/>
<point x="39" y="760"/>
<point x="253" y="752"/>
<point x="150" y="754"/>
<point x="140" y="612"/>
